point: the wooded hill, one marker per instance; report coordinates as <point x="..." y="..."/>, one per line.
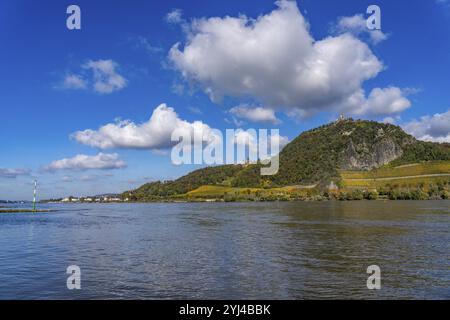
<point x="315" y="157"/>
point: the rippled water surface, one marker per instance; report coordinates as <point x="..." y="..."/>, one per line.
<point x="293" y="250"/>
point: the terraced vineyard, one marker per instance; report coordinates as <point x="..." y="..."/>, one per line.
<point x="406" y="175"/>
<point x="224" y="192"/>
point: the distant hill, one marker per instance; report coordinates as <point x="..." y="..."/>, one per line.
<point x="315" y="157"/>
<point x="206" y="176"/>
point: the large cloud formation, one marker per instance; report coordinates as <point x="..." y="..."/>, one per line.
<point x="153" y="134"/>
<point x="275" y="60"/>
<point x="156" y="133"/>
<point x="101" y="161"/>
<point x="435" y="128"/>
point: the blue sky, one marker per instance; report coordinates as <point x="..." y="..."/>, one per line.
<point x="295" y="67"/>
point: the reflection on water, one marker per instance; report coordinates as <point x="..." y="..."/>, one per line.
<point x="293" y="250"/>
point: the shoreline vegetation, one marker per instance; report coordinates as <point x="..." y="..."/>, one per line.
<point x="437" y="190"/>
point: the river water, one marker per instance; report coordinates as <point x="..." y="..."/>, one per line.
<point x="276" y="250"/>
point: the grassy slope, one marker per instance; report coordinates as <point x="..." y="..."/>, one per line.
<point x="236" y="193"/>
<point x="407" y="175"/>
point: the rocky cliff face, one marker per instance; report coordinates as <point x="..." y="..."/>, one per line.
<point x="365" y="157"/>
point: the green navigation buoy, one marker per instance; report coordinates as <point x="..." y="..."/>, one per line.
<point x="34" y="196"/>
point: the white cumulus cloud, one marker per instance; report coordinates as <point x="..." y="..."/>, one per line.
<point x="153" y="134"/>
<point x="84" y="162"/>
<point x="357" y="25"/>
<point x="100" y="76"/>
<point x="435" y="128"/>
<point x="255" y="114"/>
<point x="105" y="76"/>
<point x="275" y="60"/>
<point x="386" y="101"/>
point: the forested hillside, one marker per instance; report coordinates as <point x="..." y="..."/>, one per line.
<point x="314" y="157"/>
